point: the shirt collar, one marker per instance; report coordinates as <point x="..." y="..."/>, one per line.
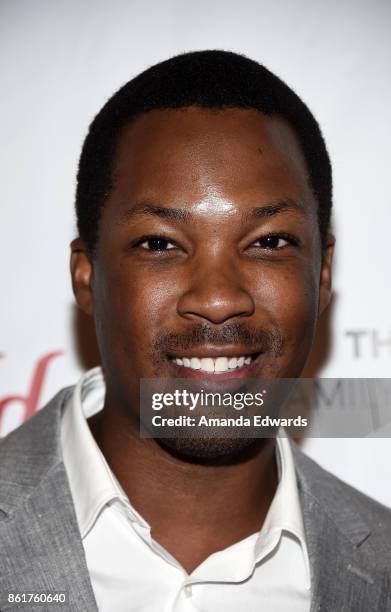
<point x="93" y="484"/>
<point x="285" y="514"/>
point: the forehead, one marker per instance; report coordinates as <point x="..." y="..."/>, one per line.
<point x="176" y="157"/>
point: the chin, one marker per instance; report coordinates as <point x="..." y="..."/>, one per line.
<point x="211" y="450"/>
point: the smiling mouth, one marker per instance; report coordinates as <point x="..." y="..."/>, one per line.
<point x="219" y="365"/>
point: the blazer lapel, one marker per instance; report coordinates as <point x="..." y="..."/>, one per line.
<point x="41" y="548"/>
<point x="343" y="577"/>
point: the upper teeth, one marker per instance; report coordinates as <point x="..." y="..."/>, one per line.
<point x="207" y="364"/>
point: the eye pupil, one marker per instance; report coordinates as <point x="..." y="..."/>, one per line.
<point x="157" y="244"/>
<point x="270" y="242"/>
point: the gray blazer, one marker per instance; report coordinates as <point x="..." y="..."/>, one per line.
<point x="348" y="534"/>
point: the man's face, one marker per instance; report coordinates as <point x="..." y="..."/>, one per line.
<point x="209" y="248"/>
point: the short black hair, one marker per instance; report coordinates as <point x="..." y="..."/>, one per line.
<point x="209" y="79"/>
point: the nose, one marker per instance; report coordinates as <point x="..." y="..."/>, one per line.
<point x="216" y="294"/>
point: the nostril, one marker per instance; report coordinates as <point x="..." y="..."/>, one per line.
<point x="216" y="311"/>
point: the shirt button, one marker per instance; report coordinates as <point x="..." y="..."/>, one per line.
<point x="188" y="590"/>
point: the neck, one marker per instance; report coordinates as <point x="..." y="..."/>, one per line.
<point x="194" y="509"/>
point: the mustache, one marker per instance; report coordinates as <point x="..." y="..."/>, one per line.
<point x="231" y="333"/>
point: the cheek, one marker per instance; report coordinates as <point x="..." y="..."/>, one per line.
<point x="131" y="309"/>
<point x="290" y="300"/>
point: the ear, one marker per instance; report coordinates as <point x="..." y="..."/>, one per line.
<point x="81" y="272"/>
<point x="325" y="286"/>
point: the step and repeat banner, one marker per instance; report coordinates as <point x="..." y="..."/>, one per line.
<point x="61" y="60"/>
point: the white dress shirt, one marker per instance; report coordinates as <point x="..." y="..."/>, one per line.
<point x="129" y="571"/>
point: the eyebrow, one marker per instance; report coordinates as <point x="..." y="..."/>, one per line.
<point x="184" y="216"/>
<point x="145" y="208"/>
<point x="269" y="210"/>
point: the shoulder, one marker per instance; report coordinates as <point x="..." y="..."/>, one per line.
<point x="36" y="438"/>
<point x="30" y="453"/>
<point x="340" y="500"/>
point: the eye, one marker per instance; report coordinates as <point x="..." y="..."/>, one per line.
<point x="273" y="242"/>
<point x="155" y="243"/>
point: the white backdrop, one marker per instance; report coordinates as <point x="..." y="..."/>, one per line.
<point x="60" y="60"/>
